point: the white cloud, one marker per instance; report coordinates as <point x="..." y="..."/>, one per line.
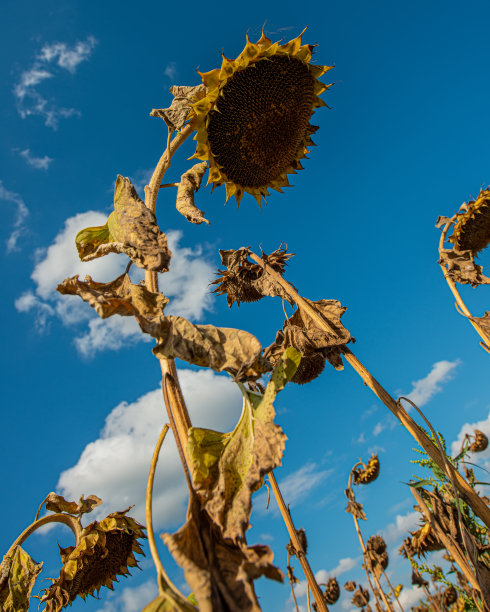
<point x="425" y="388"/>
<point x="40" y="163"/>
<point x="57" y="55"/>
<point x="403" y="523"/>
<point x="131" y="599"/>
<point x="21" y="212"/>
<point x="322" y="576"/>
<point x="379" y="427"/>
<point x="115" y="466"/>
<point x="186" y="284"/>
<point x="170" y="70"/>
<point x="295" y="487"/>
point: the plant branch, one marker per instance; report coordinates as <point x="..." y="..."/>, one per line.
<point x="300" y="553"/>
<point x="478" y="505"/>
<point x="452" y="286"/>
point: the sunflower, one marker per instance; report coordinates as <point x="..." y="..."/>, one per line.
<point x="472" y="229"/>
<point x="105" y="550"/>
<point x="253" y="123"/>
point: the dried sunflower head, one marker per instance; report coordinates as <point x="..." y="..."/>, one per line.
<point x="368" y="473"/>
<point x="480" y="442"/>
<point x="332" y="591"/>
<point x="422" y="541"/>
<point x="253" y="124"/>
<point x="472" y="229"/>
<point x="105" y="551"/>
<point x="376" y="555"/>
<point x="350" y="586"/>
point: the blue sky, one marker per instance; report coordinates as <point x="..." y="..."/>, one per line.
<point x="405" y="140"/>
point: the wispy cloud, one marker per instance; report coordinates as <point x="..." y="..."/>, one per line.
<point x="115" y="465"/>
<point x="400" y="527"/>
<point x="170" y="70"/>
<point x="130" y="599"/>
<point x="425" y="388"/>
<point x="40" y="163"/>
<point x="47" y="65"/>
<point x="186" y="284"/>
<point x="21" y="212"/>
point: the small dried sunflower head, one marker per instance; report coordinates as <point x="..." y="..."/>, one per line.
<point x="480" y="442"/>
<point x="350" y="586"/>
<point x="105" y="551"/>
<point x="422" y="541"/>
<point x="253" y="123"/>
<point x="332" y="591"/>
<point x="472" y="229"/>
<point x="368" y="473"/>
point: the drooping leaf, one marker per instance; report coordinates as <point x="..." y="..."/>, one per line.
<point x="220" y="348"/>
<point x="245" y="281"/>
<point x="176" y="115"/>
<point x="131" y="229"/>
<point x="17" y="577"/>
<point x="462" y="268"/>
<point x="354" y="507"/>
<point x="315" y="344"/>
<point x="169" y="602"/>
<point x="189" y="184"/>
<point x="228" y="468"/>
<point x="119" y="296"/>
<point x="219" y="571"/>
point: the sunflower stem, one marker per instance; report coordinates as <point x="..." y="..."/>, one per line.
<point x="59" y="517"/>
<point x="452" y="286"/>
<point x="300" y="553"/>
<point x="474" y="500"/>
<point x="164" y="582"/>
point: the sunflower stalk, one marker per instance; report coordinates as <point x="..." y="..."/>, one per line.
<point x="377" y="590"/>
<point x="461" y="306"/>
<point x="300" y="553"/>
<point x="466" y="491"/>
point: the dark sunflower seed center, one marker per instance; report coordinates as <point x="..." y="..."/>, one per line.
<point x="261" y="120"/>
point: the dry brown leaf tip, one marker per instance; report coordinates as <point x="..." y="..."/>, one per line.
<point x="366" y="474"/>
<point x="105" y="551"/>
<point x="57" y="503"/>
<point x="176" y="115"/>
<point x="245" y="281"/>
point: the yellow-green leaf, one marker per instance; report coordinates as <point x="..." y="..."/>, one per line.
<point x="228" y="468"/>
<point x="15" y="590"/>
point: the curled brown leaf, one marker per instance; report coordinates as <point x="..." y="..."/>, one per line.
<point x="184" y="96"/>
<point x="189" y="184"/>
<point x="461" y="267"/>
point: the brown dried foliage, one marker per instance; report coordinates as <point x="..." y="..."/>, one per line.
<point x="461" y="267"/>
<point x="245" y="281"/>
<point x="361" y="597"/>
<point x="176" y="115"/>
<point x="376" y="556"/>
<point x="189" y="184"/>
<point x="316" y="345"/>
<point x="219" y="571"/>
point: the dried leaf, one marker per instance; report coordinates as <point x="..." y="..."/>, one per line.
<point x="15" y="590"/>
<point x="131" y="229"/>
<point x="176" y="115"/>
<point x="356" y="509"/>
<point x="316" y="345"/>
<point x="219" y="571"/>
<point x="87" y="504"/>
<point x="483" y="322"/>
<point x="169" y="602"/>
<point x="244" y="281"/>
<point x="228" y="468"/>
<point x="57" y="503"/>
<point x="119" y="296"/>
<point x="220" y="348"/>
<point x="462" y="269"/>
<point x="189" y="184"/>
<point x="442" y="221"/>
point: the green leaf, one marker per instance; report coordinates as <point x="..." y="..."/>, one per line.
<point x="227" y="468"/>
<point x="15" y="590"/>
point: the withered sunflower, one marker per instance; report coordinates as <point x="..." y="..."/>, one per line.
<point x="105" y="550"/>
<point x="253" y="123"/>
<point x="472" y="229"/>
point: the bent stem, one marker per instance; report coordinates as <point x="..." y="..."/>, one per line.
<point x="376" y="591"/>
<point x="452" y="286"/>
<point x="300" y="553"/>
<point x="59" y="517"/>
<point x="478" y="505"/>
